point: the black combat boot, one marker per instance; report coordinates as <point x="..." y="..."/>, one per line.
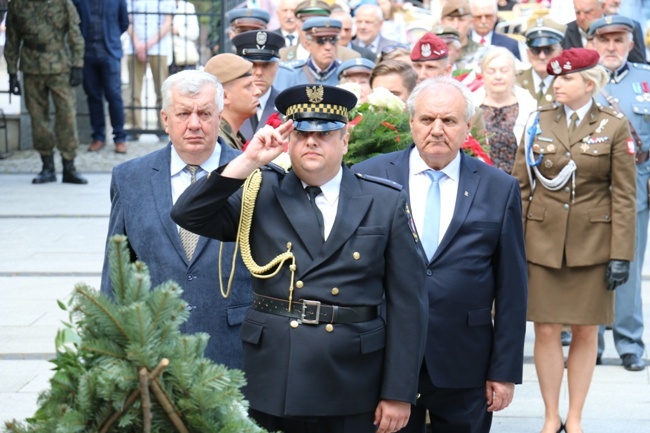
<point x="47" y="174"/>
<point x="70" y="174"/>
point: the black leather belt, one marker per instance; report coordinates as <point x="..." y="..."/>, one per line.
<point x="642" y="156"/>
<point x="313" y="312"/>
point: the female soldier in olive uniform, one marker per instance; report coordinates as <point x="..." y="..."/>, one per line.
<point x="577" y="179"/>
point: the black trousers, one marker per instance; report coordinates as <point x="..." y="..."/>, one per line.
<point x="451" y="410"/>
<point x="361" y="423"/>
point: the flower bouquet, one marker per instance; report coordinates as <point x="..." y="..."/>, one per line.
<point x="378" y="126"/>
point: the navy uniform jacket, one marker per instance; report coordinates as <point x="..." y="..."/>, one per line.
<point x="115" y="21"/>
<point x="506" y="42"/>
<point x="369" y="257"/>
<point x="141" y="200"/>
<point x="636" y="107"/>
<point x="480" y="259"/>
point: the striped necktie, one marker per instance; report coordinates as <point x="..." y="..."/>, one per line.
<point x="189" y="239"/>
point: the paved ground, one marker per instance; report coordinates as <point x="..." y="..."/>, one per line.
<point x="52" y="237"/>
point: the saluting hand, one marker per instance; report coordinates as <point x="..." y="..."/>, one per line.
<point x="264" y="147"/>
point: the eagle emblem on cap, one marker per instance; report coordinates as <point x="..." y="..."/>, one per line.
<point x="555" y="65"/>
<point x="261" y="38"/>
<point x="315" y="94"/>
<point x="425" y="50"/>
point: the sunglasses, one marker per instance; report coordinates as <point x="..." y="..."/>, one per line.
<point x="538" y="50"/>
<point x="322" y="40"/>
<point x="390" y="48"/>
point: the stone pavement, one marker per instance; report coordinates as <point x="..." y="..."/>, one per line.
<point x="52" y="236"/>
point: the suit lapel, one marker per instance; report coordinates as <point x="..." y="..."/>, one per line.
<point x="561" y="130"/>
<point x="160" y="182"/>
<point x="295" y="205"/>
<point x="468" y="182"/>
<point x="587" y="125"/>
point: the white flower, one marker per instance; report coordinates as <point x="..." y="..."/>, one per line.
<point x="353" y="88"/>
<point x="383" y="98"/>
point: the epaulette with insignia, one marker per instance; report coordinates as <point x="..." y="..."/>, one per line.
<point x="274" y="167"/>
<point x="380" y="181"/>
<point x="611" y="111"/>
<point x="548" y="107"/>
<point x="641" y="66"/>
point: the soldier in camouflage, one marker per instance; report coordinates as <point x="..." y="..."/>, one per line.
<point x="45" y="36"/>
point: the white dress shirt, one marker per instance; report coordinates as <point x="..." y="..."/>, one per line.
<point x="328" y="201"/>
<point x="181" y="178"/>
<point x="582" y="112"/>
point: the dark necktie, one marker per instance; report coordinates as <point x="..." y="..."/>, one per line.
<point x="189" y="239"/>
<point x="290" y="38"/>
<point x="574" y="123"/>
<point x="254" y="122"/>
<point x="540" y="93"/>
<point x="313" y="191"/>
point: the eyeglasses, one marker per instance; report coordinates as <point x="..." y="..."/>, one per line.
<point x="390" y="48"/>
<point x="322" y="40"/>
<point x="538" y="50"/>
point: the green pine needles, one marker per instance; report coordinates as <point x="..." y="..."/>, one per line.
<point x="122" y="364"/>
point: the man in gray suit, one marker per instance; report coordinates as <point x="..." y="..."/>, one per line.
<point x="143" y="191"/>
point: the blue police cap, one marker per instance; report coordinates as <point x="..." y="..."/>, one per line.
<point x="544" y="32"/>
<point x="358" y="65"/>
<point x="611" y="24"/>
<point x="316" y="108"/>
<point x="253" y="18"/>
<point x="322" y="26"/>
<point x="258" y="45"/>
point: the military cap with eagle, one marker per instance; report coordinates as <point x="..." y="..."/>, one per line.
<point x="259" y="45"/>
<point x="316" y="108"/>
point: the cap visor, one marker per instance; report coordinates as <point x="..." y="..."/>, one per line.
<point x="315" y="125"/>
<point x="542" y="42"/>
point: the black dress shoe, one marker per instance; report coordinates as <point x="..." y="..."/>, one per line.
<point x="633" y="362"/>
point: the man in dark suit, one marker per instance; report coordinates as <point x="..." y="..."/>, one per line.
<point x="484" y="18"/>
<point x="470" y="226"/>
<point x="369" y="18"/>
<point x="143" y="191"/>
<point x="319" y="356"/>
<point x="588" y="11"/>
<point x="102" y="25"/>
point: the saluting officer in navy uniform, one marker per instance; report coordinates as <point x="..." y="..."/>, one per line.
<point x="577" y="176"/>
<point x="262" y="48"/>
<point x="543" y="41"/>
<point x="321" y="40"/>
<point x="628" y="91"/>
<point x="319" y="356"/>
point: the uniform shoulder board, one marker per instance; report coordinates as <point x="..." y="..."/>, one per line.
<point x="380" y="181"/>
<point x="610" y="111"/>
<point x="274" y="167"/>
<point x="643" y="66"/>
<point x="293" y="64"/>
<point x="547" y="107"/>
<point x="284" y="65"/>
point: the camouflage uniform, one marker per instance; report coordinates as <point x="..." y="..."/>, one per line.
<point x="233" y="139"/>
<point x="43" y="27"/>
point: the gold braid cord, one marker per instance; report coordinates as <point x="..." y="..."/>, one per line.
<point x="249" y="196"/>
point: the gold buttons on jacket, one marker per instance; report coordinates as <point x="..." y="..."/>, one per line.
<point x="356" y="255"/>
<point x="294" y="324"/>
<point x="299" y="284"/>
<point x="335" y="291"/>
<point x="329" y="327"/>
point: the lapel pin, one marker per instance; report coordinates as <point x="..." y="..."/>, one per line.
<point x="466" y="194"/>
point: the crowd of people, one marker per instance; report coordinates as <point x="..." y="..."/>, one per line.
<point x="397" y="290"/>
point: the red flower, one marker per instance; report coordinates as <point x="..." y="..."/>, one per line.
<point x="274" y="120"/>
<point x="472" y="147"/>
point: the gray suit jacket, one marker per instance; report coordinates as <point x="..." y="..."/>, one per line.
<point x="141" y="202"/>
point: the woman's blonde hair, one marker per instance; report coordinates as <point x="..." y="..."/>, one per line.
<point x="597" y="75"/>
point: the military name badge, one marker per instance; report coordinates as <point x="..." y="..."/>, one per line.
<point x="630" y="146"/>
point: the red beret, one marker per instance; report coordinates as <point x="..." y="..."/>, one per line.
<point x="572" y="60"/>
<point x="429" y="47"/>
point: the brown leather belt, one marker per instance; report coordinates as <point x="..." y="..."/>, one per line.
<point x="642" y="156"/>
<point x="313" y="312"/>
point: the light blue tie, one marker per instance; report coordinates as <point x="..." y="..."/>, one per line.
<point x="432" y="214"/>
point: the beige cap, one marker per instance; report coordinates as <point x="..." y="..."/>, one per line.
<point x="228" y="67"/>
<point x="455" y="8"/>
